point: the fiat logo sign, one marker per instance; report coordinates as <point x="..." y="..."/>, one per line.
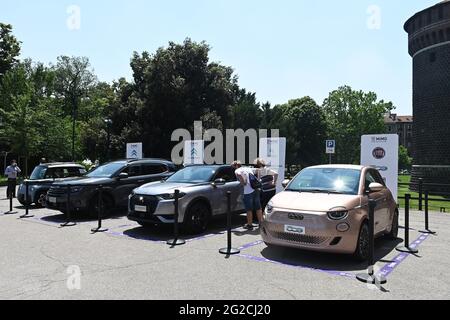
<point x="379" y="153"/>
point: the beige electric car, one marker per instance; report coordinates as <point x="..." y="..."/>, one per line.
<point x="325" y="208"/>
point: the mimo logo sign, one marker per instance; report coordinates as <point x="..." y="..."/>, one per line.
<point x="379" y="153"/>
<point x="379" y="139"/>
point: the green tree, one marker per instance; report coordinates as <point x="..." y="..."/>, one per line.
<point x="9" y="49"/>
<point x="405" y="161"/>
<point x="302" y="122"/>
<point x="351" y="114"/>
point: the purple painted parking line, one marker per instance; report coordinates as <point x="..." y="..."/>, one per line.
<point x="390" y="267"/>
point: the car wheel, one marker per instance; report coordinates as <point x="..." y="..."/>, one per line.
<point x="362" y="250"/>
<point x="39" y="198"/>
<point x="146" y="225"/>
<point x="197" y="218"/>
<point x="108" y="205"/>
<point x="393" y="235"/>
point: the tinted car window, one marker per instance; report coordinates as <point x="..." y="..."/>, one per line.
<point x="369" y="179"/>
<point x="107" y="170"/>
<point x="151" y="169"/>
<point x="227" y="174"/>
<point x="193" y="175"/>
<point x="379" y="178"/>
<point x="133" y="171"/>
<point x="38" y="173"/>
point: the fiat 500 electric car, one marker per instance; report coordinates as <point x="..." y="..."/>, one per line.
<point x="325" y="208"/>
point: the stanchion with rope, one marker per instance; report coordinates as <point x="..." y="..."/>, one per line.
<point x="175" y="241"/>
<point x="406" y="248"/>
<point x="11" y="209"/>
<point x="68" y="223"/>
<point x="427" y="217"/>
<point x="100" y="212"/>
<point x="371" y="277"/>
<point x="27" y="202"/>
<point x="229" y="250"/>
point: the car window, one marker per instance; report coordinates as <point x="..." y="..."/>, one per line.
<point x="151" y="169"/>
<point x="39" y="173"/>
<point x="379" y="178"/>
<point x="369" y="179"/>
<point x="227" y="174"/>
<point x="133" y="171"/>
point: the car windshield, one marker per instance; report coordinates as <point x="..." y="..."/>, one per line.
<point x="193" y="175"/>
<point x="107" y="170"/>
<point x="327" y="180"/>
<point x="38" y="173"/>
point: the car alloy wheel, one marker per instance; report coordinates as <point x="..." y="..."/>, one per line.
<point x="362" y="252"/>
<point x="197" y="219"/>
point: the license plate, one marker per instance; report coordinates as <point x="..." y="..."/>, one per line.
<point x="140" y="208"/>
<point x="52" y="200"/>
<point x="295" y="229"/>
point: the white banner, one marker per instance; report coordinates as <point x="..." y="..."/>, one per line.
<point x="273" y="151"/>
<point x="194" y="152"/>
<point x="381" y="152"/>
<point x="134" y="151"/>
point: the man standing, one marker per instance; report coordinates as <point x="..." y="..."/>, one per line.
<point x="11" y="173"/>
<point x="252" y="199"/>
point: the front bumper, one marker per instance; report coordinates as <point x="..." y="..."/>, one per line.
<point x="321" y="233"/>
<point x="157" y="211"/>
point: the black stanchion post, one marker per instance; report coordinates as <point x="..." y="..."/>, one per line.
<point x="229" y="250"/>
<point x="11" y="209"/>
<point x="68" y="223"/>
<point x="100" y="212"/>
<point x="176" y="242"/>
<point x="27" y="201"/>
<point x="370" y="277"/>
<point x="427" y="217"/>
<point x="406" y="248"/>
<point x="420" y="194"/>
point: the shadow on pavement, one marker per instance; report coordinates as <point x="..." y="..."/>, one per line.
<point x="328" y="261"/>
<point x="59" y="217"/>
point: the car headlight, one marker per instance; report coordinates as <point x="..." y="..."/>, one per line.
<point x="339" y="213"/>
<point x="269" y="208"/>
<point x="171" y="196"/>
<point x="76" y="189"/>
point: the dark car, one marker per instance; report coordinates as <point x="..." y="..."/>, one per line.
<point x="43" y="177"/>
<point x="117" y="179"/>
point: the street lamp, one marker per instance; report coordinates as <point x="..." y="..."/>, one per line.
<point x="108" y="123"/>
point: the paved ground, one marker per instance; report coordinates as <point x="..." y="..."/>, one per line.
<point x="40" y="260"/>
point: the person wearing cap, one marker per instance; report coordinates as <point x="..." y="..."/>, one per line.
<point x="12" y="173"/>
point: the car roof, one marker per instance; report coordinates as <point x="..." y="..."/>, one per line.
<point x="217" y="166"/>
<point x="145" y="160"/>
<point x="339" y="166"/>
<point x="62" y="165"/>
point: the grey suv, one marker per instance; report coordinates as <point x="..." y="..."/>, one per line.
<point x="117" y="178"/>
<point x="203" y="195"/>
<point x="43" y="176"/>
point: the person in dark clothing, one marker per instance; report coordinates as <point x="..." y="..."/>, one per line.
<point x="12" y="172"/>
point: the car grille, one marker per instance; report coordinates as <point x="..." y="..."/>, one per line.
<point x="296" y="238"/>
<point x="56" y="191"/>
<point x="151" y="202"/>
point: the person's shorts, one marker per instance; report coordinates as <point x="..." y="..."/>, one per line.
<point x="252" y="201"/>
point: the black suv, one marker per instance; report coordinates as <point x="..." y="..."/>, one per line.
<point x="117" y="178"/>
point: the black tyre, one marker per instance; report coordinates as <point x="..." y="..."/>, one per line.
<point x="108" y="205"/>
<point x="146" y="225"/>
<point x="362" y="250"/>
<point x="393" y="235"/>
<point x="197" y="218"/>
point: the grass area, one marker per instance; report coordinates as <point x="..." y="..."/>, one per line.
<point x="434" y="205"/>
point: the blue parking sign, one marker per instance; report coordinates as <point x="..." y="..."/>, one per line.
<point x="331" y="147"/>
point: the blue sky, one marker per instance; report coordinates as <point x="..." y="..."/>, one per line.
<point x="279" y="49"/>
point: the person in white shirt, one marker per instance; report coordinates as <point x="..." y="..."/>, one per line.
<point x="252" y="198"/>
<point x="11" y="173"/>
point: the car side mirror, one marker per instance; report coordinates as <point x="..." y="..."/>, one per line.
<point x="123" y="175"/>
<point x="219" y="182"/>
<point x="285" y="183"/>
<point x="375" y="187"/>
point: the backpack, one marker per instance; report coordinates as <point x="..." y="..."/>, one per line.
<point x="255" y="183"/>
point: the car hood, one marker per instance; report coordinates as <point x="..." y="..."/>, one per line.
<point x="321" y="202"/>
<point x="160" y="187"/>
<point x="83" y="181"/>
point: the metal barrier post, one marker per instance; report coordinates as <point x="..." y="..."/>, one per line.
<point x="371" y="277"/>
<point x="229" y="250"/>
<point x="68" y="223"/>
<point x="420" y="194"/>
<point x="427" y="218"/>
<point x="100" y="212"/>
<point x="406" y="248"/>
<point x="176" y="242"/>
<point x="27" y="203"/>
<point x="10" y="212"/>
